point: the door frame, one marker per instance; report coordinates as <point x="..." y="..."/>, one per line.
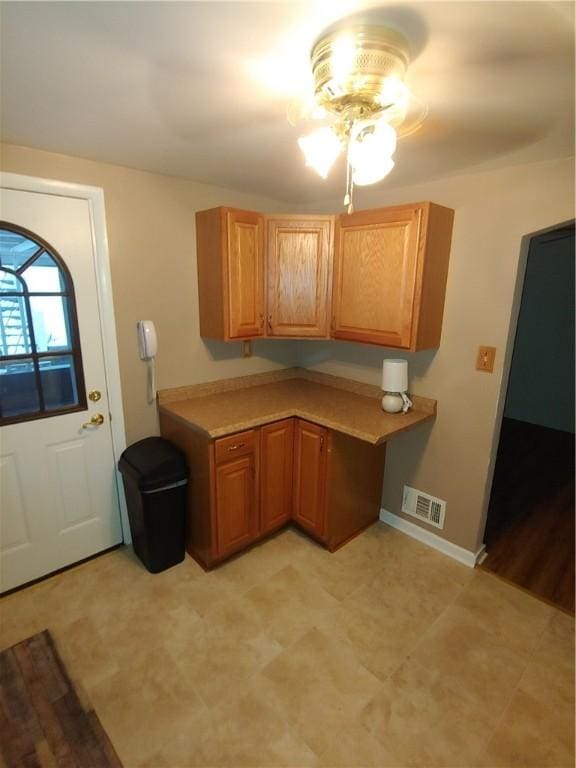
<point x="97" y="211"/>
<point x="506" y="370"/>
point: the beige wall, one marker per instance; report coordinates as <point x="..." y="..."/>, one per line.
<point x="151" y="232"/>
<point x="150" y="220"/>
<point x="451" y="459"/>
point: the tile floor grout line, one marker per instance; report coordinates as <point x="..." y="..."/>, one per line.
<point x="449" y="605"/>
<point x="516" y="688"/>
<point x="419" y="606"/>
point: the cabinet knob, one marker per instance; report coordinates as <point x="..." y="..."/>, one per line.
<point x="270" y="323"/>
<point x="237" y="446"/>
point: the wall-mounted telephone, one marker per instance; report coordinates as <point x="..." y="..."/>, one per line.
<point x="148" y="347"/>
<point x="147" y="339"/>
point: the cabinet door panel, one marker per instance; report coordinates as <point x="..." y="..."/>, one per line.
<point x="310" y="476"/>
<point x="276" y="473"/>
<point x="375" y="279"/>
<point x="298" y="277"/>
<point x="236" y="504"/>
<point x="245" y="274"/>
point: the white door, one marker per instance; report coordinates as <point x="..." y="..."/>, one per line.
<point x="58" y="493"/>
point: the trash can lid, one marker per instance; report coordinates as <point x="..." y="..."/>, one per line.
<point x="153" y="462"/>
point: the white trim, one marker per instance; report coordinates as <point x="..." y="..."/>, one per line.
<point x="525" y="245"/>
<point x="464" y="556"/>
<point x="95" y="198"/>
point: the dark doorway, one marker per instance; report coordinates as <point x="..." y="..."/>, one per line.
<point x="530" y="527"/>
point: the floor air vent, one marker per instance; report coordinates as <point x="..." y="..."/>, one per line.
<point x="424" y="507"/>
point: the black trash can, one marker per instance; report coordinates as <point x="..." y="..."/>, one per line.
<point x="155" y="477"/>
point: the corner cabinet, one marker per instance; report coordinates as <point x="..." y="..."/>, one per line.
<point x="276" y="473"/>
<point x="337" y="483"/>
<point x="299" y="260"/>
<point x="390" y="270"/>
<point x="230" y="256"/>
<point x="246" y="486"/>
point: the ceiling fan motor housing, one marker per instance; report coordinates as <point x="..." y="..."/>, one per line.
<point x="350" y="68"/>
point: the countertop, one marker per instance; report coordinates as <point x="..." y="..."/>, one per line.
<point x="233" y="405"/>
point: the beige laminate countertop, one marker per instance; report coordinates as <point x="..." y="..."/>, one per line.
<point x="325" y="400"/>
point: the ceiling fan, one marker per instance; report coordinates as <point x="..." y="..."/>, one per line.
<point x="361" y="101"/>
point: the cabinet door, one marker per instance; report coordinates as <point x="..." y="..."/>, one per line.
<point x="375" y="276"/>
<point x="245" y="283"/>
<point x="310" y="476"/>
<point x="298" y="260"/>
<point x="276" y="473"/>
<point x="236" y="504"/>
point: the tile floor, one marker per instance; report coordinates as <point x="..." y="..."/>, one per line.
<point x="384" y="654"/>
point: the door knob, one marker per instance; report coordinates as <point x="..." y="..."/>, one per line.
<point x="95" y="421"/>
<point x="94" y="395"/>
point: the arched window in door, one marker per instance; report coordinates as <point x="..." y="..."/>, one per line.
<point x="40" y="362"/>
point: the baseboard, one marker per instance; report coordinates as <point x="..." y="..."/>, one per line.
<point x="464" y="556"/>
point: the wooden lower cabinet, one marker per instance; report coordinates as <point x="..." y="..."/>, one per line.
<point x="236" y="504"/>
<point x="276" y="473"/>
<point x="337" y="483"/>
<point x="310" y="476"/>
<point x="354" y="478"/>
<point x="244" y="486"/>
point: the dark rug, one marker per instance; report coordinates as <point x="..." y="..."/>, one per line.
<point x="43" y="720"/>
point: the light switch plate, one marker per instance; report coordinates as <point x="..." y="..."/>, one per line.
<point x="485" y="359"/>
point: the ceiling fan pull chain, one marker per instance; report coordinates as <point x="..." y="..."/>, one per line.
<point x="349" y="187"/>
<point x="347" y="192"/>
<point x="350" y="197"/>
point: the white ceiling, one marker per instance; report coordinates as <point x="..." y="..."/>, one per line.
<point x="201" y="89"/>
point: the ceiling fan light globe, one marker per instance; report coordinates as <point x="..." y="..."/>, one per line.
<point x="320" y="149"/>
<point x="396" y="93"/>
<point x="365" y="175"/>
<point x="371" y="140"/>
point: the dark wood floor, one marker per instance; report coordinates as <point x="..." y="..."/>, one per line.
<point x="43" y="722"/>
<point x="530" y="530"/>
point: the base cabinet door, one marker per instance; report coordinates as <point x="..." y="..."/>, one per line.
<point x="276" y="474"/>
<point x="236" y="498"/>
<point x="310" y="442"/>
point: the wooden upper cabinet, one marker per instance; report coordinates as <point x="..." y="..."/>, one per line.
<point x="390" y="269"/>
<point x="276" y="462"/>
<point x="230" y="255"/>
<point x="310" y="447"/>
<point x="299" y="251"/>
<point x="388" y="284"/>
